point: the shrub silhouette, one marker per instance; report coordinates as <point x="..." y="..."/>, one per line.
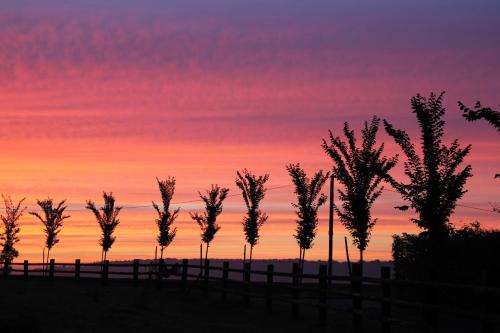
<point x="309" y="199"/>
<point x="253" y="191"/>
<point x="166" y="217"/>
<point x="434" y="185"/>
<point x="11" y="228"/>
<point x="470" y="246"/>
<point x="52" y="220"/>
<point x="360" y="170"/>
<point x="107" y="217"/>
<point x="208" y="219"/>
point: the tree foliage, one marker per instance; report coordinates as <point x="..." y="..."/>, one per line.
<point x="166" y="217"/>
<point x="107" y="218"/>
<point x="52" y="220"/>
<point x="360" y="170"/>
<point x="207" y="221"/>
<point x="253" y="191"/>
<point x="480" y="112"/>
<point x="11" y="228"/>
<point x="435" y="181"/>
<point x="309" y="199"/>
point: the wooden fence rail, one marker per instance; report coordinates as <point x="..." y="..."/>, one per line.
<point x="294" y="288"/>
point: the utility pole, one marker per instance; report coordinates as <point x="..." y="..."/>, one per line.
<point x="330" y="233"/>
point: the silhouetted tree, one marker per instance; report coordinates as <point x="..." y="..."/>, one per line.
<point x="52" y="220"/>
<point x="434" y="185"/>
<point x="208" y="219"/>
<point x="11" y="228"/>
<point x="309" y="199"/>
<point x="253" y="191"/>
<point x="166" y="217"/>
<point x="360" y="171"/>
<point x="480" y="112"/>
<point x="107" y="217"/>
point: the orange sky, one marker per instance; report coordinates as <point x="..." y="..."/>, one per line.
<point x="97" y="97"/>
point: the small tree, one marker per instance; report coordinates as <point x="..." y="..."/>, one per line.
<point x="11" y="228"/>
<point x="434" y="185"/>
<point x="360" y="171"/>
<point x="309" y="199"/>
<point x="52" y="220"/>
<point x="107" y="217"/>
<point x="253" y="191"/>
<point x="166" y="217"/>
<point x="208" y="219"/>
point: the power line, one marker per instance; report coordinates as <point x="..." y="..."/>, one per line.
<point x="269" y="189"/>
<point x="461" y="205"/>
<point x="177" y="203"/>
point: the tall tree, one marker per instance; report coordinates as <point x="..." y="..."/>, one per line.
<point x="309" y="200"/>
<point x="107" y="217"/>
<point x="208" y="219"/>
<point x="11" y="228"/>
<point x="166" y="217"/>
<point x="480" y="112"/>
<point x="435" y="181"/>
<point x="360" y="170"/>
<point x="253" y="191"/>
<point x="52" y="220"/>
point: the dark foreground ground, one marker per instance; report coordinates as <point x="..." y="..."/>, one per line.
<point x="66" y="306"/>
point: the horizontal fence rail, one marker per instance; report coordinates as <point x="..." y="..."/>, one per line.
<point x="326" y="294"/>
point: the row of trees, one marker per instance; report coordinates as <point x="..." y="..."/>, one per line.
<point x="435" y="183"/>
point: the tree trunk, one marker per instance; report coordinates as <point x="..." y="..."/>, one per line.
<point x="300" y="256"/>
<point x="161" y="252"/>
<point x="251" y="252"/>
<point x="244" y="253"/>
<point x="206" y="253"/>
<point x="43" y="262"/>
<point x="303" y="260"/>
<point x="47" y="261"/>
<point x="102" y="258"/>
<point x="361" y="260"/>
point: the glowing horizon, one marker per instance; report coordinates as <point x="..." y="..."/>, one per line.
<point x="106" y="97"/>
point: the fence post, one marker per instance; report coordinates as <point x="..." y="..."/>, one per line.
<point x="77" y="270"/>
<point x="5" y="269"/>
<point x="26" y="269"/>
<point x="206" y="273"/>
<point x="105" y="271"/>
<point x="161" y="270"/>
<point x="269" y="288"/>
<point x="322" y="295"/>
<point x="295" y="290"/>
<point x="357" y="300"/>
<point x="488" y="304"/>
<point x="246" y="280"/>
<point x="51" y="268"/>
<point x="184" y="274"/>
<point x="136" y="272"/>
<point x="385" y="274"/>
<point x="225" y="276"/>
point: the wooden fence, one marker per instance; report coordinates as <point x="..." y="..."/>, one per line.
<point x="388" y="298"/>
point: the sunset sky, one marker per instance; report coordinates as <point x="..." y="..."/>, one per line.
<point x="109" y="95"/>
